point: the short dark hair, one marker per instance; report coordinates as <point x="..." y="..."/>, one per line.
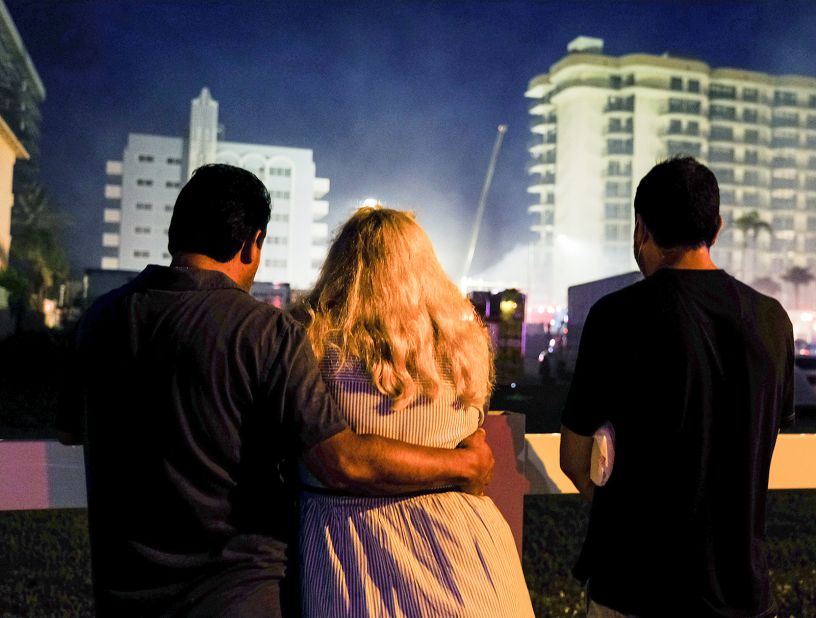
<point x="218" y="209"/>
<point x="679" y="202"/>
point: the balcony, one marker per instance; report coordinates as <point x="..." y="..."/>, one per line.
<point x="113" y="192"/>
<point x="783" y="162"/>
<point x="320" y="187"/>
<point x="683" y="107"/>
<point x="320" y="208"/>
<point x="112" y="215"/>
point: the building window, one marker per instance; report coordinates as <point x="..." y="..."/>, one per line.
<point x="141" y="254"/>
<point x="785" y="119"/>
<point x="676" y="83"/>
<point x="173" y="161"/>
<point x="782" y="223"/>
<point x="281" y="195"/>
<point x="165" y="256"/>
<point x="144" y="206"/>
<point x="278" y="263"/>
<point x="751" y="178"/>
<point x="280" y="218"/>
<point x="144" y="182"/>
<point x="719" y="132"/>
<point x="618" y="168"/>
<point x="684" y="106"/>
<point x="721" y="155"/>
<point x="724" y="174"/>
<point x="811" y="224"/>
<point x="141" y="229"/>
<point x="172" y="185"/>
<point x="750" y="115"/>
<point x="614" y="232"/>
<point x="721" y="91"/>
<point x="620" y="104"/>
<point x="280" y="171"/>
<point x="617" y="189"/>
<point x="751" y="136"/>
<point x="727" y="197"/>
<point x="783" y="203"/>
<point x="617" y="210"/>
<point x="168" y="208"/>
<point x="694" y="85"/>
<point x="145" y="158"/>
<point x="277" y="240"/>
<point x="723" y="112"/>
<point x="752" y="157"/>
<point x="750" y="94"/>
<point x="784" y="97"/>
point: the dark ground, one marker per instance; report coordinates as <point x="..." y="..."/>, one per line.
<point x="44" y="557"/>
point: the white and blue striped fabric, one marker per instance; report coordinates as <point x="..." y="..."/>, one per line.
<point x="445" y="554"/>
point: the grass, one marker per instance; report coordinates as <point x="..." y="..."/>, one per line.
<point x="45" y="557"/>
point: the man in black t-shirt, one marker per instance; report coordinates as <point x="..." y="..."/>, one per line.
<point x="694" y="370"/>
<point x="192" y="399"/>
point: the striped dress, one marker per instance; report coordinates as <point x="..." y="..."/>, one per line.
<point x="437" y="554"/>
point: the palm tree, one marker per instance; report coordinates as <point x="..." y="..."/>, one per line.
<point x="750" y="224"/>
<point x="797" y="276"/>
<point x="767" y="285"/>
<point x="35" y="252"/>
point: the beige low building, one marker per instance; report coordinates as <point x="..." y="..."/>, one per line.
<point x="10" y="150"/>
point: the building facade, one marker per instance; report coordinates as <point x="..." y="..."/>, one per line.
<point x="10" y="151"/>
<point x="21" y="94"/>
<point x="145" y="183"/>
<point x="599" y="123"/>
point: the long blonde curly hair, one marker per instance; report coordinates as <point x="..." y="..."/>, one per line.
<point x="383" y="298"/>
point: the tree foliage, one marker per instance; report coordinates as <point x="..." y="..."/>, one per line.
<point x="36" y="253"/>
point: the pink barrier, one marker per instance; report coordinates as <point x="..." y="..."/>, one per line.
<point x="23" y="476"/>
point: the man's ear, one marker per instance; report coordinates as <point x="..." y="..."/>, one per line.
<point x="250" y="246"/>
<point x="717" y="235"/>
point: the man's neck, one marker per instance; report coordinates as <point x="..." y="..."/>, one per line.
<point x="688" y="259"/>
<point x="204" y="262"/>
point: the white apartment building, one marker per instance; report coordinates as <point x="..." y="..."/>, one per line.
<point x="145" y="183"/>
<point x="599" y="123"/>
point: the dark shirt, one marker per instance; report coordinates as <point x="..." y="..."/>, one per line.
<point x="192" y="397"/>
<point x="695" y="372"/>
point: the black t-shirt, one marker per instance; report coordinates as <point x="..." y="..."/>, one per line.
<point x="192" y="397"/>
<point x="695" y="372"/>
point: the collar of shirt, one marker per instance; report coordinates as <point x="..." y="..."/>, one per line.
<point x="184" y="278"/>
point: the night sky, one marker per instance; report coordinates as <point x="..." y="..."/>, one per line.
<point x="398" y="100"/>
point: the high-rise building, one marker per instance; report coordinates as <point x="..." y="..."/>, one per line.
<point x="145" y="183"/>
<point x="600" y="122"/>
<point x="21" y="93"/>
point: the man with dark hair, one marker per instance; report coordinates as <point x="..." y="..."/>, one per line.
<point x="193" y="400"/>
<point x="694" y="370"/>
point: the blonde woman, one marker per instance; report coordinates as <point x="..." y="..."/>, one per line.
<point x="405" y="357"/>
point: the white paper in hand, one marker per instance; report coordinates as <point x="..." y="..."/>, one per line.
<point x="603" y="454"/>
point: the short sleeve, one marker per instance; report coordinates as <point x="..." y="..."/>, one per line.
<point x="309" y="407"/>
<point x="584" y="410"/>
